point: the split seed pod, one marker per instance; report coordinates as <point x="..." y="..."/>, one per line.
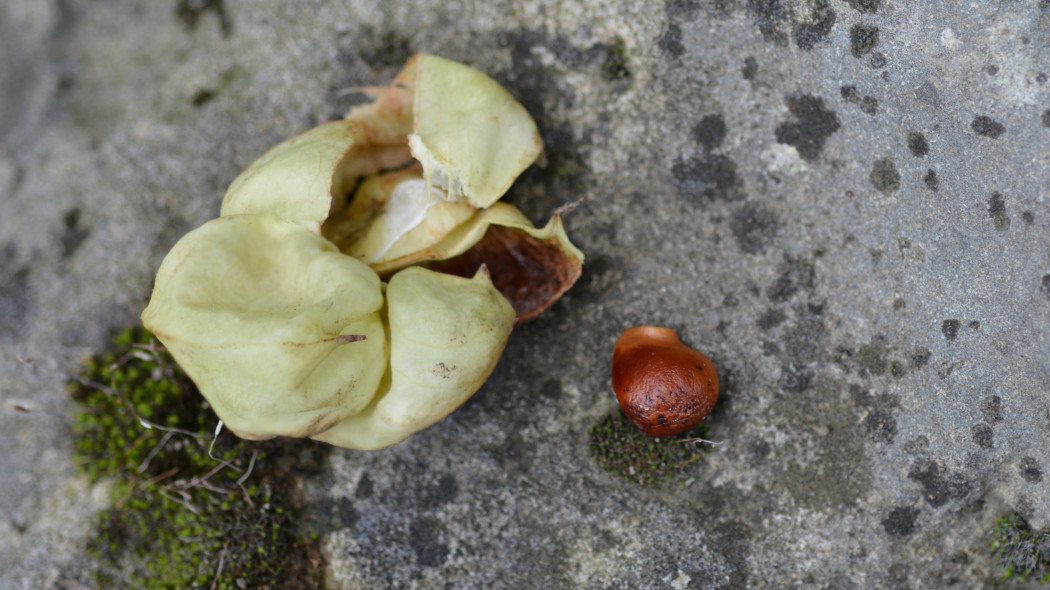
<point x="308" y="308"/>
<point x="663" y="386"/>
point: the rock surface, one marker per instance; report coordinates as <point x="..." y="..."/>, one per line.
<point x="843" y="203"/>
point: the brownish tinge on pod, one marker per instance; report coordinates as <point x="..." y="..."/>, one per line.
<point x="663" y="386"/>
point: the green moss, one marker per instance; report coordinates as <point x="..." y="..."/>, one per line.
<point x="622" y="448"/>
<point x="1021" y="552"/>
<point x="185" y="513"/>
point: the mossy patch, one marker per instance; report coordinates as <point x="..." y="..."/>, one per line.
<point x="1021" y="552"/>
<point x="623" y="449"/>
<point x="189" y="509"/>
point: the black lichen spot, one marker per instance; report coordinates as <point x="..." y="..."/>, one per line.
<point x="937" y="486"/>
<point x="975" y="325"/>
<point x="443" y="493"/>
<point x="424" y="536"/>
<point x="1030" y="470"/>
<point x="997" y="211"/>
<point x="849" y="93"/>
<point x="771" y="319"/>
<point x="1028" y="217"/>
<point x="671" y="41"/>
<point x="767" y="16"/>
<point x="750" y="72"/>
<point x="816" y="123"/>
<point x="190" y="12"/>
<point x="862" y="39"/>
<point x="365" y="487"/>
<point x="16" y="302"/>
<point x="703" y="179"/>
<point x="930" y="180"/>
<point x="983" y="436"/>
<point x="992" y="408"/>
<point x="900" y="522"/>
<point x="203" y="97"/>
<point x="614" y="64"/>
<point x="991" y="70"/>
<point x="865" y="6"/>
<point x="869" y="105"/>
<point x="899" y="304"/>
<point x="383" y="50"/>
<point x="1041" y="77"/>
<point x="1046" y="118"/>
<point x="795" y="274"/>
<point x="710" y="131"/>
<point x="950" y="329"/>
<point x="884" y="176"/>
<point x="881" y="426"/>
<point x="919" y="358"/>
<point x="794" y="379"/>
<point x="987" y="127"/>
<point x="754" y="227"/>
<point x="686" y="10"/>
<point x="821" y="21"/>
<point x="878" y="60"/>
<point x="73" y="234"/>
<point x="918" y="145"/>
<point x="1044" y="287"/>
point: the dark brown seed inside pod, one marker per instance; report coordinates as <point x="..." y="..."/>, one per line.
<point x="663" y="386"/>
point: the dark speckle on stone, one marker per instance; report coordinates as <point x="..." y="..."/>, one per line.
<point x="671" y="41"/>
<point x="1028" y="217"/>
<point x="686" y="10"/>
<point x="975" y="325"/>
<point x="919" y="358"/>
<point x="983" y="436"/>
<point x="614" y="65"/>
<point x="16" y="303"/>
<point x="814" y="126"/>
<point x="365" y="487"/>
<point x="1030" y="470"/>
<point x="771" y="319"/>
<point x="190" y="12"/>
<point x="930" y="180"/>
<point x="869" y="105"/>
<point x="1045" y="287"/>
<point x="702" y="179"/>
<point x="937" y="486"/>
<point x="1041" y="77"/>
<point x="927" y="93"/>
<point x="991" y="70"/>
<point x="862" y="39"/>
<point x="795" y="274"/>
<point x="754" y="227"/>
<point x="710" y="131"/>
<point x="1046" y="118"/>
<point x="900" y="522"/>
<point x="987" y="127"/>
<point x="950" y="329"/>
<point x="878" y="60"/>
<point x="997" y="211"/>
<point x="918" y="145"/>
<point x="73" y="234"/>
<point x="768" y="15"/>
<point x="821" y="21"/>
<point x="750" y="71"/>
<point x="424" y="537"/>
<point x="881" y="426"/>
<point x="992" y="409"/>
<point x="865" y="6"/>
<point x="849" y="93"/>
<point x="884" y="176"/>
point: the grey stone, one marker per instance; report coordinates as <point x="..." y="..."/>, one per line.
<point x="884" y="339"/>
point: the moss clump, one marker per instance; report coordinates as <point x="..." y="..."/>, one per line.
<point x="622" y="448"/>
<point x="189" y="510"/>
<point x="1021" y="551"/>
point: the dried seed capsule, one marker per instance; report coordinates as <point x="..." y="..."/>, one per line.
<point x="663" y="386"/>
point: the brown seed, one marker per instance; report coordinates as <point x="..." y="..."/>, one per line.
<point x="663" y="386"/>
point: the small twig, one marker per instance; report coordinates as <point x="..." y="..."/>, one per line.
<point x="160" y="477"/>
<point x="218" y="571"/>
<point x="153" y="453"/>
<point x="567" y="208"/>
<point x="24" y="361"/>
<point x="243" y="477"/>
<point x="185" y="501"/>
<point x="699" y="440"/>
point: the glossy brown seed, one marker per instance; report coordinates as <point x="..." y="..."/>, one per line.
<point x="663" y="386"/>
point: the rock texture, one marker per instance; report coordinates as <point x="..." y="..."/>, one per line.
<point x="843" y="203"/>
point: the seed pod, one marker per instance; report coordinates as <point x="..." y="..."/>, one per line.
<point x="663" y="386"/>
